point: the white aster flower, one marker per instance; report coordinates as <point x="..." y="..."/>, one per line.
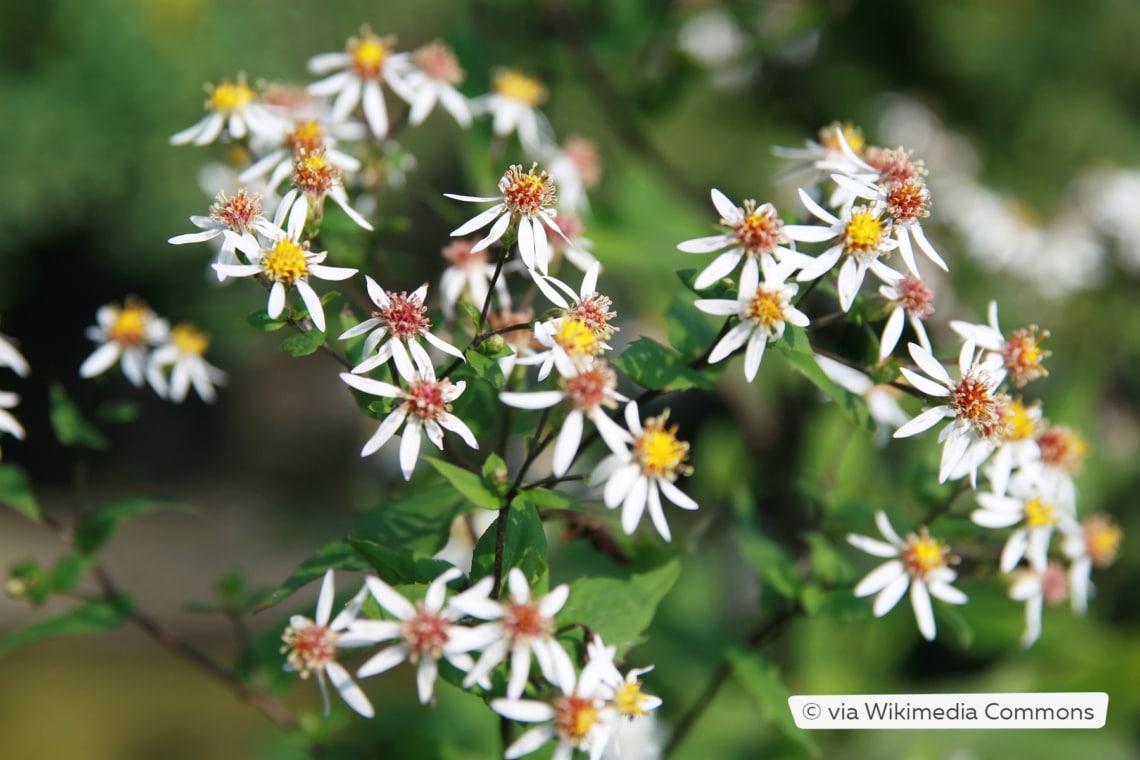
<point x="569" y="343"/>
<point x="513" y="105"/>
<point x="763" y="308"/>
<point x="1095" y="541"/>
<point x="426" y="408"/>
<point x="1021" y="352"/>
<point x="310" y="647"/>
<point x="882" y="399"/>
<point x="591" y="392"/>
<point x="125" y="335"/>
<point x="183" y="354"/>
<point x="636" y="477"/>
<point x="428" y="77"/>
<point x="1035" y="517"/>
<point x="623" y="694"/>
<point x="425" y="632"/>
<point x="1061" y="452"/>
<point x="304" y="138"/>
<point x="316" y="177"/>
<point x="527" y="199"/>
<point x="239" y="214"/>
<point x="972" y="403"/>
<point x="8" y="423"/>
<point x="575" y="167"/>
<point x="232" y="107"/>
<point x="286" y="262"/>
<point x="11" y="357"/>
<point x="520" y="626"/>
<point x="1036" y="589"/>
<point x="577" y="249"/>
<point x="912" y="300"/>
<point x="393" y="328"/>
<point x="469" y="272"/>
<point x="368" y="61"/>
<point x="754" y="231"/>
<point x="837" y="143"/>
<point x="862" y="235"/>
<point x="576" y="719"/>
<point x="1018" y="447"/>
<point x="919" y="563"/>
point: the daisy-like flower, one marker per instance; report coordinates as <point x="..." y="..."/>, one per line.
<point x="623" y="694"/>
<point x="399" y="319"/>
<point x="920" y="563"/>
<point x="972" y="403"/>
<point x="862" y="235"/>
<point x="575" y="167"/>
<point x="367" y="61"/>
<point x="882" y="400"/>
<point x="1021" y="352"/>
<point x="425" y="632"/>
<point x="576" y="719"/>
<point x="8" y="423"/>
<point x="233" y="107"/>
<point x="315" y="178"/>
<point x="1036" y="589"/>
<point x="754" y="231"/>
<point x="125" y="335"/>
<point x="428" y="77"/>
<point x="912" y="300"/>
<point x="426" y="408"/>
<point x="827" y="154"/>
<point x="1018" y="447"/>
<point x="286" y="262"/>
<point x="1035" y="517"/>
<point x="636" y="476"/>
<point x="527" y="199"/>
<point x="304" y="138"/>
<point x="11" y="357"/>
<point x="571" y="344"/>
<point x="1094" y="542"/>
<point x="763" y="308"/>
<point x="577" y="249"/>
<point x="239" y="214"/>
<point x="587" y="305"/>
<point x="469" y="272"/>
<point x="513" y="105"/>
<point x="310" y="647"/>
<point x="1062" y="452"/>
<point x="591" y="392"/>
<point x="519" y="627"/>
<point x="183" y="354"/>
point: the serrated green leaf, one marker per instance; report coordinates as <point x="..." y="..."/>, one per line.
<point x="398" y="567"/>
<point x="303" y="344"/>
<point x="467" y="483"/>
<point x="84" y="620"/>
<point x="419" y="521"/>
<point x="70" y="428"/>
<point x="619" y="609"/>
<point x="653" y="366"/>
<point x="262" y="321"/>
<point x="796" y="348"/>
<point x="524" y="548"/>
<point x="16" y="492"/>
<point x="337" y="555"/>
<point x="761" y="680"/>
<point x="99" y="524"/>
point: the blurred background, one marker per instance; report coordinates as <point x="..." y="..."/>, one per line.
<point x="1027" y="114"/>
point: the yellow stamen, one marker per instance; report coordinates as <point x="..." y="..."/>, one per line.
<point x="1038" y="514"/>
<point x="230" y="97"/>
<point x="286" y="263"/>
<point x="628" y="699"/>
<point x="864" y="232"/>
<point x="659" y="452"/>
<point x="511" y="84"/>
<point x="129" y="327"/>
<point x="188" y="339"/>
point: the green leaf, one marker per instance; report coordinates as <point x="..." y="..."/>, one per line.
<point x="71" y="429"/>
<point x="653" y="366"/>
<point x="619" y="609"/>
<point x="28" y="580"/>
<point x="838" y="603"/>
<point x="84" y="620"/>
<point x="689" y="329"/>
<point x="16" y="492"/>
<point x="546" y="498"/>
<point x="496" y="476"/>
<point x="720" y="289"/>
<point x="397" y="567"/>
<point x="99" y="524"/>
<point x="118" y="412"/>
<point x="67" y="573"/>
<point x="796" y="348"/>
<point x="472" y="311"/>
<point x="524" y="548"/>
<point x="761" y="680"/>
<point x="486" y="368"/>
<point x="419" y="521"/>
<point x="770" y="561"/>
<point x="303" y="344"/>
<point x="467" y="483"/>
<point x="827" y="564"/>
<point x="338" y="555"/>
<point x="262" y="321"/>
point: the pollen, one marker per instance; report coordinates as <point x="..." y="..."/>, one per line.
<point x="523" y="621"/>
<point x="1063" y="448"/>
<point x="922" y="554"/>
<point x="426" y="398"/>
<point x="286" y="263"/>
<point x="864" y="232"/>
<point x="129" y="327"/>
<point x="659" y="452"/>
<point x="1019" y="424"/>
<point x="593" y="388"/>
<point x="368" y="53"/>
<point x="894" y="165"/>
<point x="594" y="312"/>
<point x="759" y="232"/>
<point x="527" y="193"/>
<point x="1024" y="356"/>
<point x="574" y="717"/>
<point x="829" y="136"/>
<point x="577" y="338"/>
<point x="438" y="61"/>
<point x="1102" y="539"/>
<point x="309" y="647"/>
<point x="517" y="86"/>
<point x="976" y="406"/>
<point x="237" y="213"/>
<point x="314" y="175"/>
<point x="1038" y="514"/>
<point x="404" y="315"/>
<point x="767" y="308"/>
<point x="230" y="97"/>
<point x="189" y="339"/>
<point x="628" y="699"/>
<point x="307" y="137"/>
<point x="425" y="634"/>
<point x="908" y="200"/>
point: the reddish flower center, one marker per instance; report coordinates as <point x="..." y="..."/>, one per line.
<point x="526" y="193"/>
<point x="894" y="165"/>
<point x="593" y="311"/>
<point x="404" y="315"/>
<point x="592" y="388"/>
<point x="915" y="297"/>
<point x="1062" y="448"/>
<point x="306" y="137"/>
<point x="908" y="200"/>
<point x="1024" y="356"/>
<point x="460" y="255"/>
<point x="523" y="621"/>
<point x="974" y="404"/>
<point x="574" y="717"/>
<point x="1055" y="583"/>
<point x="237" y="213"/>
<point x="437" y="61"/>
<point x="1102" y="539"/>
<point x="426" y="634"/>
<point x="759" y="231"/>
<point x="314" y="175"/>
<point x="309" y="647"/>
<point x="426" y="398"/>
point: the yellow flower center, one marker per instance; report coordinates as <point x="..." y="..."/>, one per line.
<point x="1019" y="426"/>
<point x="628" y="699"/>
<point x="1102" y="537"/>
<point x="659" y="452"/>
<point x="129" y="327"/>
<point x="864" y="232"/>
<point x="314" y="175"/>
<point x="526" y="193"/>
<point x="574" y="717"/>
<point x="1063" y="448"/>
<point x="1038" y="514"/>
<point x="976" y="406"/>
<point x="766" y="308"/>
<point x="576" y="338"/>
<point x="368" y="53"/>
<point x="759" y="231"/>
<point x="829" y="136"/>
<point x="188" y="339"/>
<point x="1024" y="356"/>
<point x="230" y="97"/>
<point x="307" y="137"/>
<point x="286" y="263"/>
<point x="511" y="84"/>
<point x="921" y="554"/>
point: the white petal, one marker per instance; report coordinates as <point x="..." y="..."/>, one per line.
<point x="706" y="244"/>
<point x="728" y="210"/>
<point x="928" y="364"/>
<point x="946" y="593"/>
<point x="532" y="400"/>
<point x="720" y="267"/>
<point x="754" y="353"/>
<point x="929" y="387"/>
<point x="924" y="421"/>
<point x="481" y="220"/>
<point x="1014" y="549"/>
<point x="388" y="598"/>
<point x="566" y="447"/>
<point x="425" y="679"/>
<point x="891" y="332"/>
<point x="923" y="612"/>
<point x="634" y="504"/>
<point x="879" y="578"/>
<point x="872" y="546"/>
<point x="409" y="450"/>
<point x="325" y="599"/>
<point x="656" y="513"/>
<point x="348" y="690"/>
<point x="384" y="660"/>
<point x="890" y="595"/>
<point x="676" y="495"/>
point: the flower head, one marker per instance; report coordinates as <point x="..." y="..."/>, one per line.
<point x="183" y="354"/>
<point x="125" y="334"/>
<point x="514" y="107"/>
<point x="232" y="106"/>
<point x="367" y="61"/>
<point x="1020" y="351"/>
<point x="431" y="76"/>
